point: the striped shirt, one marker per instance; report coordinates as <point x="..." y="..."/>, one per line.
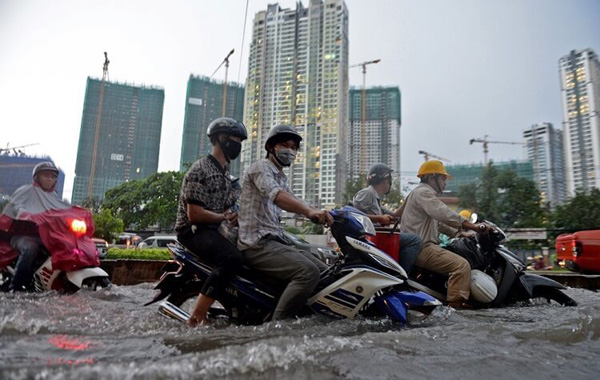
<point x="259" y="216"/>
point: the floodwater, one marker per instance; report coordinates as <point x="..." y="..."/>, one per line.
<point x="110" y="335"/>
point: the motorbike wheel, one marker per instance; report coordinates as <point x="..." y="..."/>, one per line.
<point x="96" y="283"/>
<point x="187" y="300"/>
<point x="553" y="294"/>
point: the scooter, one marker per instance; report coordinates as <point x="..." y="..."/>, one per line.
<point x="498" y="276"/>
<point x="364" y="281"/>
<point x="70" y="276"/>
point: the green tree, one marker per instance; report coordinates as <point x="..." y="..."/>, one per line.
<point x="107" y="226"/>
<point x="393" y="199"/>
<point x="143" y="203"/>
<point x="353" y="186"/>
<point x="582" y="212"/>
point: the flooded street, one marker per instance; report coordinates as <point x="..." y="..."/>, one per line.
<point x="110" y="335"/>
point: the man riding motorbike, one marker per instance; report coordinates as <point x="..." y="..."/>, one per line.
<point x="265" y="193"/>
<point x="368" y="201"/>
<point x="36" y="197"/>
<point x="424" y="214"/>
<point x="204" y="203"/>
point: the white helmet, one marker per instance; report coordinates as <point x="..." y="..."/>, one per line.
<point x="483" y="287"/>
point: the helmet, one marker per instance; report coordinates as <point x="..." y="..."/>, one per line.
<point x="465" y="214"/>
<point x="433" y="167"/>
<point x="378" y="173"/>
<point x="282" y="133"/>
<point x="44" y="166"/>
<point x="483" y="287"/>
<point x="228" y="126"/>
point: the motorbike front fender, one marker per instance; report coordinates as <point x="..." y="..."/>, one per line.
<point x="531" y="281"/>
<point x="78" y="276"/>
<point x="396" y="304"/>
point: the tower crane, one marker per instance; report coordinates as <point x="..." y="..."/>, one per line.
<point x="90" y="191"/>
<point x="15" y="149"/>
<point x="363" y="127"/>
<point x="485" y="143"/>
<point x="426" y="155"/>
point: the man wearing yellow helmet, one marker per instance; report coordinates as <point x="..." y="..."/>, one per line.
<point x="424" y="214"/>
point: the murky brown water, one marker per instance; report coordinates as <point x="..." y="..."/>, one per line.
<point x="109" y="335"/>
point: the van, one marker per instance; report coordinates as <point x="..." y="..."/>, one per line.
<point x="579" y="251"/>
<point x="158" y="242"/>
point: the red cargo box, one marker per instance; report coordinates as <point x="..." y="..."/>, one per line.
<point x="388" y="241"/>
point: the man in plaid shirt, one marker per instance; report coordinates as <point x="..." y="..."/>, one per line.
<point x="265" y="194"/>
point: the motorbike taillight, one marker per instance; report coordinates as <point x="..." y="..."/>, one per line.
<point x="78" y="226"/>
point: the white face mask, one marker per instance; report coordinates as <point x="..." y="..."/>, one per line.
<point x="285" y="156"/>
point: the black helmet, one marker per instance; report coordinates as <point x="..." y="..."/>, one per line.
<point x="282" y="133"/>
<point x="227" y="126"/>
<point x="378" y="173"/>
<point x="44" y="166"/>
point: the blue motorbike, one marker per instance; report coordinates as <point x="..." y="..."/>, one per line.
<point x="364" y="280"/>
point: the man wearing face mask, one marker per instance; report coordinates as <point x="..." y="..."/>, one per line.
<point x="424" y="214"/>
<point x="368" y="200"/>
<point x="265" y="193"/>
<point x="205" y="202"/>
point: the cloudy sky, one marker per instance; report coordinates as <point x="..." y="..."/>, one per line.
<point x="466" y="68"/>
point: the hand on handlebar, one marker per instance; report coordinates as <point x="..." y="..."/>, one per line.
<point x="320" y="217"/>
<point x="385" y="220"/>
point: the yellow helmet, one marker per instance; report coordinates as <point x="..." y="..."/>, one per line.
<point x="433" y="167"/>
<point x="465" y="214"/>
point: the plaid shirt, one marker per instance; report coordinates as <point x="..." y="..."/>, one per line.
<point x="259" y="215"/>
<point x="206" y="184"/>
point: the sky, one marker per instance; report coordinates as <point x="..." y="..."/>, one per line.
<point x="465" y="68"/>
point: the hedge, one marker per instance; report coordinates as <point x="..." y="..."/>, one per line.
<point x="138" y="254"/>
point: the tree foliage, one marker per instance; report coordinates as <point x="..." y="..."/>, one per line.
<point x="582" y="212"/>
<point x="353" y="186"/>
<point x="107" y="226"/>
<point x="393" y="199"/>
<point x="148" y="202"/>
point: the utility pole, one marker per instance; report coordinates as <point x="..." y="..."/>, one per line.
<point x="90" y="192"/>
<point x="363" y="129"/>
<point x="485" y="143"/>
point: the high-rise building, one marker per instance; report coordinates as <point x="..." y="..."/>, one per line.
<point x="544" y="146"/>
<point x="382" y="130"/>
<point x="203" y="104"/>
<point x="298" y="75"/>
<point x="580" y="87"/>
<point x="126" y="134"/>
<point x="471" y="173"/>
<point x="17" y="170"/>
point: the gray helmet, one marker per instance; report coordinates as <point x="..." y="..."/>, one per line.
<point x="282" y="133"/>
<point x="44" y="166"/>
<point x="378" y="173"/>
<point x="227" y="126"/>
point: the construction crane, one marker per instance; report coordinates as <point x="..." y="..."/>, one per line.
<point x="15" y="149"/>
<point x="90" y="192"/>
<point x="485" y="143"/>
<point x="226" y="62"/>
<point x="426" y="155"/>
<point x="363" y="127"/>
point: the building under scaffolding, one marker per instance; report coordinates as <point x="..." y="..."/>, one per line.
<point x="16" y="171"/>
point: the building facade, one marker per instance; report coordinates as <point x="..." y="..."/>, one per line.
<point x="298" y="75"/>
<point x="381" y="130"/>
<point x="203" y="104"/>
<point x="544" y="146"/>
<point x="469" y="174"/>
<point x="580" y="88"/>
<point x="123" y="130"/>
<point x="17" y="170"/>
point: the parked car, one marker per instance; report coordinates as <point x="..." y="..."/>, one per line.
<point x="579" y="251"/>
<point x="323" y="252"/>
<point x="128" y="240"/>
<point x="101" y="246"/>
<point x="158" y="242"/>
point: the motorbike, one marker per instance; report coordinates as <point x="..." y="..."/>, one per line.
<point x="363" y="281"/>
<point x="69" y="259"/>
<point x="498" y="276"/>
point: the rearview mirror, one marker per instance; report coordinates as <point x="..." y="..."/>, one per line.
<point x="473" y="218"/>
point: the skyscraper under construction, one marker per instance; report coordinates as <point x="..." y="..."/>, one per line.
<point x="119" y="139"/>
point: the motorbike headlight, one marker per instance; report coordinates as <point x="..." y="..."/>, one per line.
<point x="364" y="220"/>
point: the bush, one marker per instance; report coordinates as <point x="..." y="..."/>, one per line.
<point x="138" y="254"/>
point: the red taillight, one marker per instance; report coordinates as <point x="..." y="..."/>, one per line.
<point x="78" y="226"/>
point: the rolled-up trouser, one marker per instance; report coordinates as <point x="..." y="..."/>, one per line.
<point x="286" y="262"/>
<point x="28" y="248"/>
<point x="410" y="246"/>
<point x="216" y="250"/>
<point x="439" y="260"/>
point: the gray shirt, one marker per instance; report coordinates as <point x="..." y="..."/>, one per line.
<point x="424" y="214"/>
<point x="367" y="200"/>
<point x="259" y="215"/>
